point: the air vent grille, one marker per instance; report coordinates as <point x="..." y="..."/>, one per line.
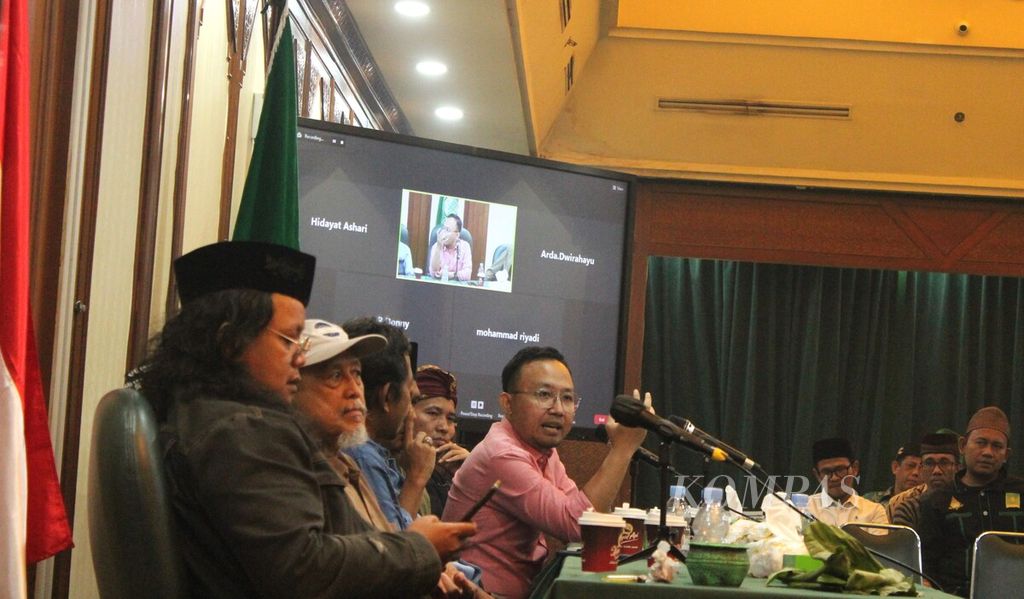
<point x="756" y="108"/>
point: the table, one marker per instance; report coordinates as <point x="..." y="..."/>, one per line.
<point x="505" y="286"/>
<point x="572" y="583"/>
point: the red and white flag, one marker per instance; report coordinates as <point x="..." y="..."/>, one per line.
<point x="33" y="522"/>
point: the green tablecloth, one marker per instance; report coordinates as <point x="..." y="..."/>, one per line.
<point x="572" y="583"/>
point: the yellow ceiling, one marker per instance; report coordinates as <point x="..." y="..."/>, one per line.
<point x="903" y="72"/>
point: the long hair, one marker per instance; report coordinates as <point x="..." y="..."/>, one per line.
<point x="199" y="350"/>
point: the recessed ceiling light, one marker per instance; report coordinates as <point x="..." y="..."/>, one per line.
<point x="431" y="68"/>
<point x="448" y="113"/>
<point x="412" y="8"/>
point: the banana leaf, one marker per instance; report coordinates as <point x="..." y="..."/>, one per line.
<point x="848" y="567"/>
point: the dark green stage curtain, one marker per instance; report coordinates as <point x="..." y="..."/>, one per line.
<point x="771" y="357"/>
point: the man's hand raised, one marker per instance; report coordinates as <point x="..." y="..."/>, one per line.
<point x="624" y="438"/>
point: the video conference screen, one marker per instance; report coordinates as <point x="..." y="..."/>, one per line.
<point x="474" y="253"/>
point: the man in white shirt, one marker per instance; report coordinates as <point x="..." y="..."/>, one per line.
<point x="838" y="471"/>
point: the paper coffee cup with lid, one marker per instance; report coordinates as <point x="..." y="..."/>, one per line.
<point x="600" y="534"/>
<point x="633" y="537"/>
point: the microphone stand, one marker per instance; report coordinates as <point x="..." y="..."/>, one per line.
<point x="664" y="466"/>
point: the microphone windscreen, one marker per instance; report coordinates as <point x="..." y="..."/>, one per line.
<point x="627" y="410"/>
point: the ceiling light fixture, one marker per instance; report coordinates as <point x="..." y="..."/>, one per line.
<point x="412" y="8"/>
<point x="431" y="68"/>
<point x="448" y="113"/>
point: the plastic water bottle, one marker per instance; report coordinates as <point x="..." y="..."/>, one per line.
<point x="709" y="525"/>
<point x="481" y="275"/>
<point x="676" y="501"/>
<point x="799" y="501"/>
<point x="444" y="273"/>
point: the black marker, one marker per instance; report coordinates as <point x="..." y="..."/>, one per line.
<point x="480" y="502"/>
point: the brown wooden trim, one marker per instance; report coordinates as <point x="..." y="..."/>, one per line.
<point x="56" y="29"/>
<point x="149" y="183"/>
<point x="236" y="73"/>
<point x="184" y="139"/>
<point x="840" y="228"/>
<point x="83" y="282"/>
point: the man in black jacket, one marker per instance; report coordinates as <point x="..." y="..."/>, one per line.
<point x="260" y="512"/>
<point x="982" y="498"/>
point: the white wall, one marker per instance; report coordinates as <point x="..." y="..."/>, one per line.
<point x="114" y="251"/>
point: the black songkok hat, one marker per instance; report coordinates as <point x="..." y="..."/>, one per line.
<point x="244" y="265"/>
<point x="831" y="448"/>
<point x="909" y="449"/>
<point x="940" y="443"/>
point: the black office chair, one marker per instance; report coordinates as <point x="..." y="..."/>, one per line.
<point x="998" y="564"/>
<point x="901" y="543"/>
<point x="134" y="552"/>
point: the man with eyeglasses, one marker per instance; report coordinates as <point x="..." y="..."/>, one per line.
<point x="536" y="497"/>
<point x="254" y="503"/>
<point x="906" y="472"/>
<point x="838" y="471"/>
<point x="982" y="497"/>
<point x="938" y="465"/>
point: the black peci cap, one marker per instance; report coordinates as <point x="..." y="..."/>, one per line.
<point x="245" y="265"/>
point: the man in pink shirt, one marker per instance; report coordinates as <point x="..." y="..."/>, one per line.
<point x="536" y="495"/>
<point x="451" y="255"/>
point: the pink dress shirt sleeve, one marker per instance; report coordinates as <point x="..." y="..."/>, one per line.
<point x="552" y="503"/>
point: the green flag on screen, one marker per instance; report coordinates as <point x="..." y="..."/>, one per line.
<point x="270" y="201"/>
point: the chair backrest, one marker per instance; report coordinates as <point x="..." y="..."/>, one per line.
<point x="134" y="552"/>
<point x="900" y="543"/>
<point x="998" y="564"/>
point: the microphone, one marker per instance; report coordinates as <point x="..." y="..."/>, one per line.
<point x="642" y="454"/>
<point x="629" y="411"/>
<point x="734" y="454"/>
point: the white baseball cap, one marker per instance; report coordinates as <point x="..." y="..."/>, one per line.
<point x="328" y="340"/>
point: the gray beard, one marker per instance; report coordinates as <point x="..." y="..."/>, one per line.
<point x="356" y="437"/>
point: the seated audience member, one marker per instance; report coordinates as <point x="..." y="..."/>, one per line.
<point x="330" y="404"/>
<point x="838" y="502"/>
<point x="982" y="497"/>
<point x="405" y="265"/>
<point x="906" y="472"/>
<point x="938" y="466"/>
<point x="258" y="510"/>
<point x="450" y="253"/>
<point x="501" y="262"/>
<point x="435" y="417"/>
<point x="390" y="388"/>
<point x="536" y="496"/>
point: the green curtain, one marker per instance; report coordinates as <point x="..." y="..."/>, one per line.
<point x="772" y="357"/>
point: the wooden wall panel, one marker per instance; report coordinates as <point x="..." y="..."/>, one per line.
<point x="816" y="227"/>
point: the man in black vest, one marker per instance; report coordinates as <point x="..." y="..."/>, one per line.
<point x="983" y="497"/>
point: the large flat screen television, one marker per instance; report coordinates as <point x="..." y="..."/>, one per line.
<point x="475" y="253"/>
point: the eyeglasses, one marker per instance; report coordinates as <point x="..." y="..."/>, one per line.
<point x="944" y="464"/>
<point x="838" y="471"/>
<point x="545" y="398"/>
<point x="302" y="343"/>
